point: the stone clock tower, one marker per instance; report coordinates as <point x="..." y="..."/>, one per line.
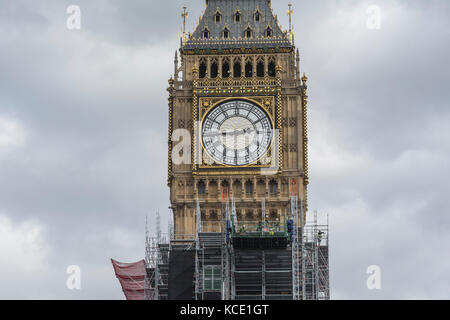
<point x="237" y="118"/>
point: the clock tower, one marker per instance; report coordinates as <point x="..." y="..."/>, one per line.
<point x="237" y="118"/>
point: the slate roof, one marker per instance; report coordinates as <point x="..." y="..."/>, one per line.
<point x="237" y="38"/>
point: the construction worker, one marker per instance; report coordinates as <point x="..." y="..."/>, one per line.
<point x="260" y="226"/>
<point x="320" y="236"/>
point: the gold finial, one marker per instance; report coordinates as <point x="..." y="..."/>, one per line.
<point x="184" y="15"/>
<point x="290" y="12"/>
<point x="171" y="81"/>
<point x="304" y="78"/>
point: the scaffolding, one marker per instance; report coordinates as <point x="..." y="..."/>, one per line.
<point x="156" y="262"/>
<point x="198" y="273"/>
<point x="315" y="262"/>
<point x="270" y="260"/>
<point x="151" y="265"/>
<point x="226" y="249"/>
<point x="294" y="247"/>
<point x="261" y="260"/>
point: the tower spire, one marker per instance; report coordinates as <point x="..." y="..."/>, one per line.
<point x="184" y="15"/>
<point x="290" y="12"/>
<point x="176" y="66"/>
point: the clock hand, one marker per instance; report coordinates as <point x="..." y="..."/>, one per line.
<point x="234" y="133"/>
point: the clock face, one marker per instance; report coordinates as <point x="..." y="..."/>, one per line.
<point x="236" y="133"/>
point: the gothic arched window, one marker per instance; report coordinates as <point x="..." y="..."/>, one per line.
<point x="225" y="68"/>
<point x="237" y="17"/>
<point x="218" y="17"/>
<point x="214" y="69"/>
<point x="206" y="34"/>
<point x="257" y="16"/>
<point x="273" y="187"/>
<point x="237" y="69"/>
<point x="201" y="186"/>
<point x="269" y="32"/>
<point x="248" y="32"/>
<point x="272" y="68"/>
<point x="249" y="187"/>
<point x="249" y="69"/>
<point x="260" y="69"/>
<point x="226" y="33"/>
<point x="202" y="69"/>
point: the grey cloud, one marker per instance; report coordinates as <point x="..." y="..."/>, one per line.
<point x="94" y="105"/>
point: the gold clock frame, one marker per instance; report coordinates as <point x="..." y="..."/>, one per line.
<point x="202" y="105"/>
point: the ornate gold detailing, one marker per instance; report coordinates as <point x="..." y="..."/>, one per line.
<point x="233" y="92"/>
<point x="304" y="79"/>
<point x="206" y="103"/>
<point x="305" y="139"/>
<point x="289" y="122"/>
<point x="290" y="12"/>
<point x="253" y="50"/>
<point x="171" y="99"/>
<point x="194" y="118"/>
<point x="279" y="112"/>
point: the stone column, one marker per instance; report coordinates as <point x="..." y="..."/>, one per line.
<point x="208" y="68"/>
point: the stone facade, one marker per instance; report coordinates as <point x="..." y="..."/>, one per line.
<point x="268" y="76"/>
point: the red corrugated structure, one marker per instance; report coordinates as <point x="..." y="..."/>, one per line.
<point x="132" y="278"/>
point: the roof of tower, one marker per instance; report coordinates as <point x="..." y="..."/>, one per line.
<point x="237" y="30"/>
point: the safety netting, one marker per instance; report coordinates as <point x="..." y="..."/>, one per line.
<point x="132" y="278"/>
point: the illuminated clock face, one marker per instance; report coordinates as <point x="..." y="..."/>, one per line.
<point x="236" y="133"/>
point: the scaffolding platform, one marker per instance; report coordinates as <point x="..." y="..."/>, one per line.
<point x="251" y="235"/>
<point x="260" y="242"/>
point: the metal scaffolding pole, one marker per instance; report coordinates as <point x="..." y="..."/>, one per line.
<point x="147" y="289"/>
<point x="151" y="264"/>
<point x="303" y="251"/>
<point x="158" y="256"/>
<point x="225" y="251"/>
<point x="263" y="275"/>
<point x="316" y="258"/>
<point x="263" y="212"/>
<point x="323" y="274"/>
<point x="315" y="263"/>
<point x="198" y="280"/>
<point x="295" y="266"/>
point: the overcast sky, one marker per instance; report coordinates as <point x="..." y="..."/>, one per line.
<point x="83" y="138"/>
